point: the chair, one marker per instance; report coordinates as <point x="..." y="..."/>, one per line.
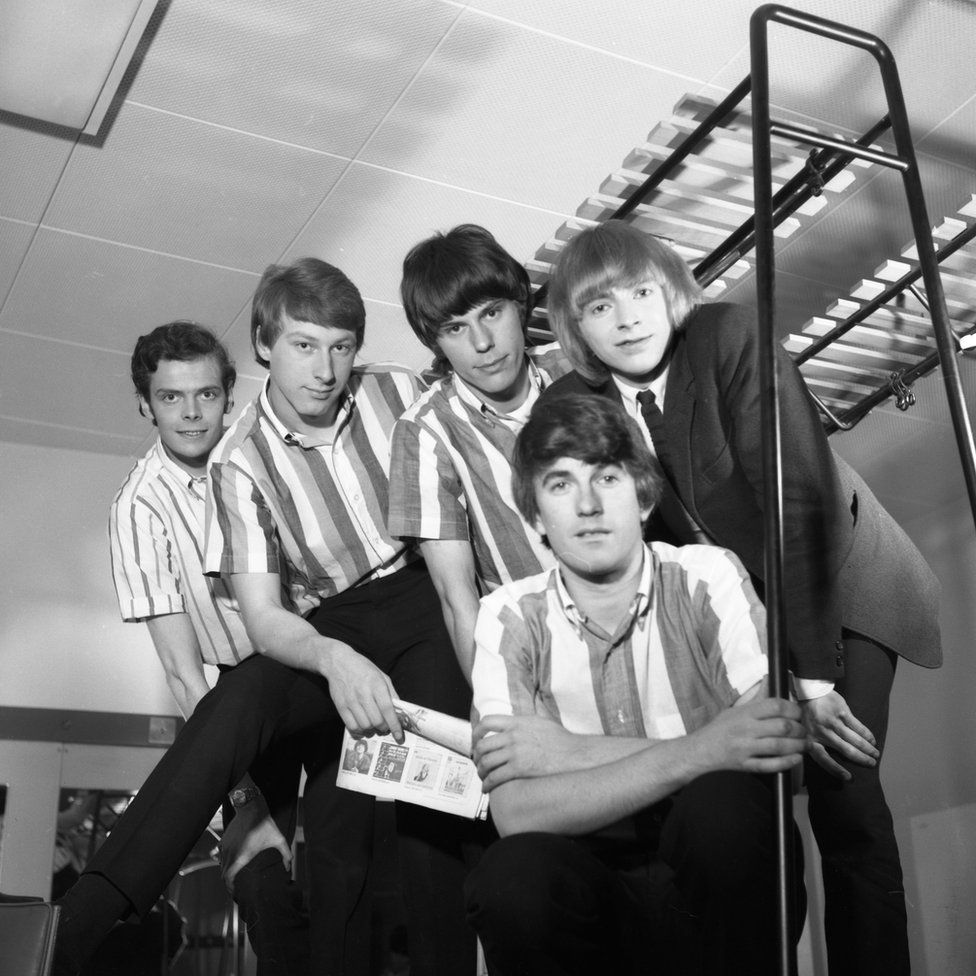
<point x="27" y="932"/>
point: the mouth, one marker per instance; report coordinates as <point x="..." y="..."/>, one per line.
<point x="320" y="394"/>
<point x="592" y="533"/>
<point x="494" y="365"/>
<point x="630" y="344"/>
<point x="193" y="434"/>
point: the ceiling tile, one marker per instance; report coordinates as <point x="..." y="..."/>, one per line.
<point x="343" y="231"/>
<point x="31" y="159"/>
<point x="190" y="189"/>
<point x="512" y="113"/>
<point x="54" y="435"/>
<point x="669" y="36"/>
<point x="313" y="74"/>
<point x="840" y="84"/>
<point x="99" y="294"/>
<point x="66" y="385"/>
<point x="14" y="241"/>
<point x="952" y="139"/>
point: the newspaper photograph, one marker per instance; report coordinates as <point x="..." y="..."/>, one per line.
<point x="432" y="767"/>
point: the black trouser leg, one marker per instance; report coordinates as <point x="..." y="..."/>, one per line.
<point x="864" y="919"/>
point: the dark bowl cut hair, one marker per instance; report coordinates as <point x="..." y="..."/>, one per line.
<point x="184" y="341"/>
<point x="307" y="290"/>
<point x="447" y="275"/>
<point x="587" y="428"/>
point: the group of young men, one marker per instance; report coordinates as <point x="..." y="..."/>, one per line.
<point x="357" y="536"/>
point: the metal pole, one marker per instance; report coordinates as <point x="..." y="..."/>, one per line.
<point x="772" y="469"/>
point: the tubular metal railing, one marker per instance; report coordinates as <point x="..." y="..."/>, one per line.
<point x="904" y="161"/>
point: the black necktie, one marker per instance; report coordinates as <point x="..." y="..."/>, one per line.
<point x="654" y="419"/>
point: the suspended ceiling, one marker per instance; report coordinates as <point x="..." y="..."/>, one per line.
<point x="258" y="131"/>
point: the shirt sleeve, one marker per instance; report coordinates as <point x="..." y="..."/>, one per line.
<point x="426" y="495"/>
<point x="733" y="627"/>
<point x="502" y="677"/>
<point x="241" y="536"/>
<point x="145" y="567"/>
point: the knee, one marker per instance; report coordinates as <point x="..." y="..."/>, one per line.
<point x="521" y="885"/>
<point x="722" y="828"/>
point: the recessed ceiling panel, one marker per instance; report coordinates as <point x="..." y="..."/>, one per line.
<point x="105" y="295"/>
<point x="314" y="74"/>
<point x="521" y="116"/>
<point x="344" y="231"/>
<point x="195" y="190"/>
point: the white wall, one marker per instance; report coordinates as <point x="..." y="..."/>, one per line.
<point x="62" y="642"/>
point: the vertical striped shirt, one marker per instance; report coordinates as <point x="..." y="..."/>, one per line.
<point x="156" y="527"/>
<point x="452" y="454"/>
<point x="315" y="515"/>
<point x="692" y="642"/>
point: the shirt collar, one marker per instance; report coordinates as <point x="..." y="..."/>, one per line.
<point x="537" y="383"/>
<point x="638" y="606"/>
<point x="629" y="393"/>
<point x="180" y="474"/>
<point x="294" y="437"/>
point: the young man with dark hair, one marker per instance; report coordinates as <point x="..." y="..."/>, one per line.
<point x="468" y="301"/>
<point x="622" y="711"/>
<point x="184" y="383"/>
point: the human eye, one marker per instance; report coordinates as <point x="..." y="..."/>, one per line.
<point x="598" y="308"/>
<point x="492" y="312"/>
<point x="646" y="289"/>
<point x="452" y="328"/>
<point x="168" y="398"/>
<point x="210" y="394"/>
<point x="342" y="348"/>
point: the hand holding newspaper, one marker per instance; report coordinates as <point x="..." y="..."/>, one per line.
<point x="432" y="767"/>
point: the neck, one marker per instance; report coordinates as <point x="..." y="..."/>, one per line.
<point x="194" y="467"/>
<point x="606" y="599"/>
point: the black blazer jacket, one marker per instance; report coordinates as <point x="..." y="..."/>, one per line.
<point x="847" y="563"/>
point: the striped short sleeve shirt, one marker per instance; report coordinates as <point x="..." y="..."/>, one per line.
<point x="156" y="527"/>
<point x="452" y="455"/>
<point x="692" y="643"/>
<point x="315" y="515"/>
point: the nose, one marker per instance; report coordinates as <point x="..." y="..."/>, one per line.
<point x="588" y="500"/>
<point x="324" y="372"/>
<point x="628" y="314"/>
<point x="481" y="337"/>
<point x="191" y="408"/>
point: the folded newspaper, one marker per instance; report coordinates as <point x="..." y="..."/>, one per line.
<point x="431" y="767"/>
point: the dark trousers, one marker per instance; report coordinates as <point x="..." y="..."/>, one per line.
<point x="864" y="918"/>
<point x="699" y="899"/>
<point x="396" y="622"/>
<point x="271" y="904"/>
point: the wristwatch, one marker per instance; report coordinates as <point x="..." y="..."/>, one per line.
<point x="244" y="795"/>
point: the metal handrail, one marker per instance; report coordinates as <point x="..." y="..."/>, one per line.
<point x="905" y="162"/>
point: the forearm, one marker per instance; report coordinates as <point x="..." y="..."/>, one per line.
<point x="459" y="617"/>
<point x="290" y="639"/>
<point x="451" y="567"/>
<point x="187" y="690"/>
<point x="582" y="801"/>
